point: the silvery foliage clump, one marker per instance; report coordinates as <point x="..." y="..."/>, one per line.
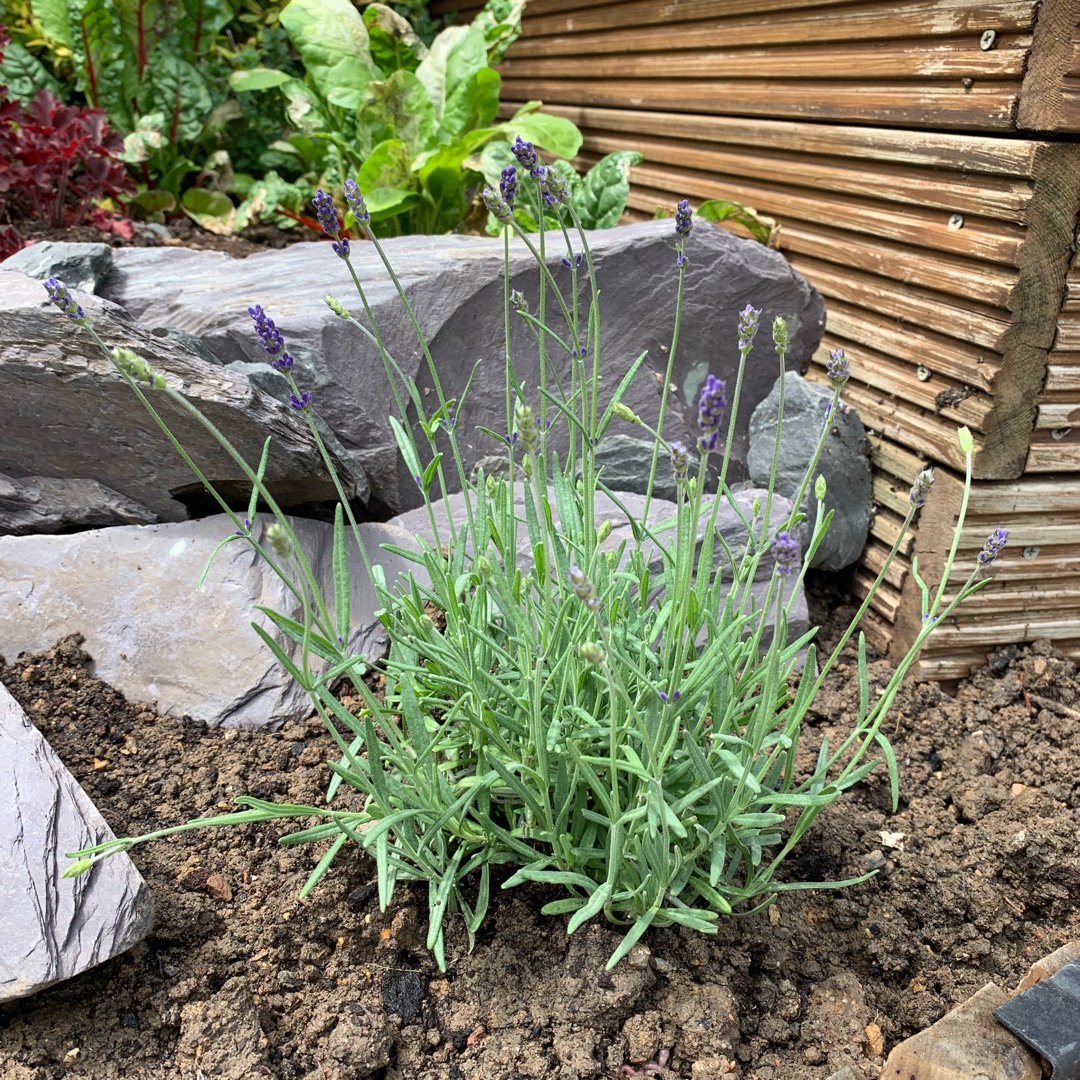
<point x="624" y="733"/>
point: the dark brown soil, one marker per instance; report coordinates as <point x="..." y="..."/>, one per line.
<point x="980" y="875"/>
<point x="185" y="233"/>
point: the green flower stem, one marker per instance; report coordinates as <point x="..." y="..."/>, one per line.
<point x="179" y="399"/>
<point x="665" y="392"/>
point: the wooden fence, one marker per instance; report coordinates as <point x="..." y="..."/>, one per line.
<point x="923" y="161"/>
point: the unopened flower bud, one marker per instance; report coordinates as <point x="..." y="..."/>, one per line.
<point x="279" y="541"/>
<point x="967" y="442"/>
<point x="336" y="306"/>
<point x="77" y="868"/>
<point x="484" y="567"/>
<point x="527" y="429"/>
<point x="584" y="588"/>
<point x="819" y="488"/>
<point x="604" y="531"/>
<point x="624" y="412"/>
<point x="920" y="490"/>
<point x="780" y="333"/>
<point x="591" y="652"/>
<point x="134" y="365"/>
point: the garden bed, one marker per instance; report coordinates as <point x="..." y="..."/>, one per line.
<point x="979" y="876"/>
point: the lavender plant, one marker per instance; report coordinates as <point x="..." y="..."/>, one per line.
<point x="612" y="720"/>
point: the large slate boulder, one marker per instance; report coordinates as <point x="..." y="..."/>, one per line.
<point x="50" y="927"/>
<point x="71" y="416"/>
<point x="132" y="592"/>
<point x="844" y="462"/>
<point x="455" y="286"/>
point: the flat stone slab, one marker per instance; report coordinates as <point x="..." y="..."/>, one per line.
<point x="132" y="592"/>
<point x="72" y="416"/>
<point x="455" y="286"/>
<point x="52" y="928"/>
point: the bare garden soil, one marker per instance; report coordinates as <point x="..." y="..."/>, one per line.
<point x="979" y="876"/>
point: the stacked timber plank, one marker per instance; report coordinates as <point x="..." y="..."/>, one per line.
<point x="900" y="147"/>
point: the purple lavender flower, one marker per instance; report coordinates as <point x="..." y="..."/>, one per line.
<point x="341" y="247"/>
<point x="711" y="406"/>
<point x="749" y="318"/>
<point x="684" y="219"/>
<point x="326" y="213"/>
<point x="572" y="264"/>
<point x="837" y="369"/>
<point x="498" y="206"/>
<point x="60" y="295"/>
<point x="992" y="548"/>
<point x="301" y="402"/>
<point x="584" y="588"/>
<point x="271" y="339"/>
<point x="554" y="187"/>
<point x="680" y="460"/>
<point x="356" y="201"/>
<point x="920" y="490"/>
<point x="525" y="154"/>
<point x="785" y="550"/>
<point x="674" y="697"/>
<point x="508" y="185"/>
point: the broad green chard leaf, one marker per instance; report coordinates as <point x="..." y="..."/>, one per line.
<point x="394" y="44"/>
<point x="554" y="134"/>
<point x="401" y="104"/>
<point x="601" y="197"/>
<point x="332" y="41"/>
<point x="24" y="74"/>
<point x="259" y="78"/>
<point x="174" y="87"/>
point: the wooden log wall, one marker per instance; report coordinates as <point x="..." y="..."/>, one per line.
<point x="923" y="161"/>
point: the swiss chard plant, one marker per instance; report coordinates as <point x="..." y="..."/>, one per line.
<point x="416" y="125"/>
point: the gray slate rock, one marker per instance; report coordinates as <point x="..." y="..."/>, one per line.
<point x="79" y="266"/>
<point x="844" y="462"/>
<point x="74" y="416"/>
<point x="52" y="928"/>
<point x="154" y="635"/>
<point x="42" y="504"/>
<point x="455" y="286"/>
<point x="626" y="461"/>
<point x="729" y="524"/>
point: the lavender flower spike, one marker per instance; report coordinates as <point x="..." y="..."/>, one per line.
<point x="271" y="339"/>
<point x="837" y="368"/>
<point x="498" y="206"/>
<point x="302" y="402"/>
<point x="920" y="490"/>
<point x="508" y="185"/>
<point x="785" y="550"/>
<point x="584" y="588"/>
<point x="62" y="298"/>
<point x="680" y="460"/>
<point x="684" y="219"/>
<point x="749" y="319"/>
<point x="525" y="154"/>
<point x="356" y="201"/>
<point x="326" y="213"/>
<point x="992" y="548"/>
<point x="711" y="406"/>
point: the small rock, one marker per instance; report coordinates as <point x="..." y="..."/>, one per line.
<point x="875" y="860"/>
<point x="639" y="956"/>
<point x="643" y="1033"/>
<point x="217" y="886"/>
<point x="222" y="1037"/>
<point x="362" y="1040"/>
<point x="713" y="1067"/>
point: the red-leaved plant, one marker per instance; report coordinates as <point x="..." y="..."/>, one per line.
<point x="57" y="161"/>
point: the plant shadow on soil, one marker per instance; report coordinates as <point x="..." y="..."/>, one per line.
<point x="979" y="876"/>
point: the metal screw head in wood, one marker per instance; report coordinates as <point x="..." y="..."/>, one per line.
<point x="986" y="42"/>
<point x="923" y="372"/>
<point x="956" y="222"/>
